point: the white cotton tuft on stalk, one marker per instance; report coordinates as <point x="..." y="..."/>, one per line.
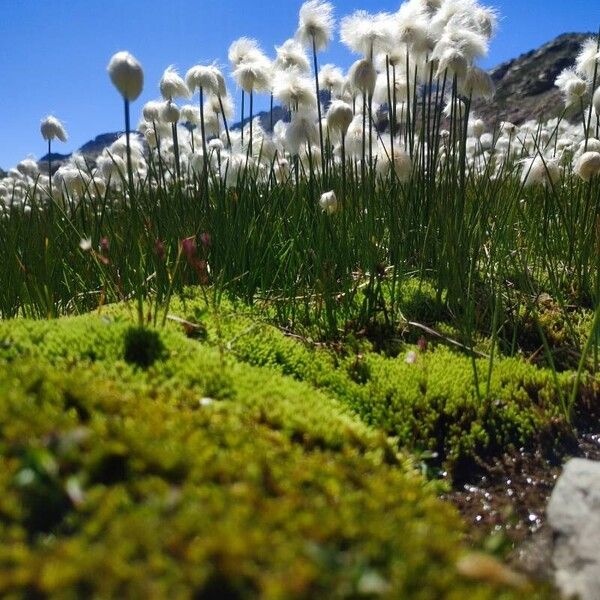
<point x="477" y="84"/>
<point x="151" y="110"/>
<point x="111" y="166"/>
<point x="540" y="171"/>
<point x="366" y="33"/>
<point x="451" y="9"/>
<point x="593" y="145"/>
<point x="301" y="130"/>
<point x="202" y="77"/>
<point x="294" y="89"/>
<point x="221" y="85"/>
<point x="328" y="202"/>
<point x="51" y="128"/>
<point x="170" y="112"/>
<point x="402" y="164"/>
<point x="451" y="62"/>
<point x="29" y="168"/>
<point x="588" y="60"/>
<point x="316" y="24"/>
<point x="190" y="113"/>
<point x="588" y="165"/>
<point x="291" y="55"/>
<point x="476" y="127"/>
<point x="339" y="117"/>
<point x="244" y="49"/>
<point x="571" y="85"/>
<point x="457" y="36"/>
<point x="216" y="145"/>
<point x="254" y="75"/>
<point x="226" y="102"/>
<point x="119" y="147"/>
<point x="486" y="20"/>
<point x="363" y="76"/>
<point x="127" y="75"/>
<point x="71" y="181"/>
<point x="412" y="27"/>
<point x="172" y="85"/>
<point x="331" y="79"/>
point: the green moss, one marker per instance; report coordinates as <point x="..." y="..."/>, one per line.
<point x="431" y="404"/>
<point x="201" y="476"/>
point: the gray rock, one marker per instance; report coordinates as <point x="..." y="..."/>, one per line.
<point x="525" y="85"/>
<point x="574" y="516"/>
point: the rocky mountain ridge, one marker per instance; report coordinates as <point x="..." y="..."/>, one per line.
<point x="525" y="85"/>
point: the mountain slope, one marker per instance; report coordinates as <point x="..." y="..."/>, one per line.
<point x="525" y="85"/>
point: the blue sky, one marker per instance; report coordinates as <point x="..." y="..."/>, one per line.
<point x="53" y="55"/>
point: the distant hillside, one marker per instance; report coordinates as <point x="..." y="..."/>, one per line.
<point x="525" y="85"/>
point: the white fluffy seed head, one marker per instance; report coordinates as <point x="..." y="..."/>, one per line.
<point x="28" y="167"/>
<point x="291" y="55"/>
<point x="190" y="114"/>
<point x="111" y="166"/>
<point x="216" y="145"/>
<point x="301" y="130"/>
<point x="540" y="171"/>
<point x="127" y="75"/>
<point x="254" y="76"/>
<point x="316" y="24"/>
<point x="477" y="128"/>
<point x="170" y="112"/>
<point x="460" y="35"/>
<point x="366" y="33"/>
<point x="588" y="59"/>
<point x="571" y="85"/>
<point x="477" y="84"/>
<point x="412" y="27"/>
<point x="202" y="77"/>
<point x="51" y="128"/>
<point x="588" y="165"/>
<point x="227" y="104"/>
<point x="71" y="180"/>
<point x="221" y="85"/>
<point x="172" y="85"/>
<point x="339" y="117"/>
<point x="328" y="202"/>
<point x="151" y="110"/>
<point x="332" y="79"/>
<point x="486" y="19"/>
<point x="363" y="76"/>
<point x="294" y="89"/>
<point x="244" y="49"/>
<point x="453" y="62"/>
<point x="508" y="128"/>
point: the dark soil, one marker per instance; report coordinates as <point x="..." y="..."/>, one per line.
<point x="505" y="508"/>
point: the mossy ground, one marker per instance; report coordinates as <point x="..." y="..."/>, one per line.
<point x="229" y="460"/>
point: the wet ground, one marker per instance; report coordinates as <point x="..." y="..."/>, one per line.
<point x="506" y="507"/>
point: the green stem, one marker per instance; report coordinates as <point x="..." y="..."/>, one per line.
<point x="129" y="166"/>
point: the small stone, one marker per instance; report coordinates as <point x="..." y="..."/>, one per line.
<point x="574" y="516"/>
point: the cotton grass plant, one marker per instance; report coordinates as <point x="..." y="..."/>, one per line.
<point x="51" y="128"/>
<point x="127" y="76"/>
